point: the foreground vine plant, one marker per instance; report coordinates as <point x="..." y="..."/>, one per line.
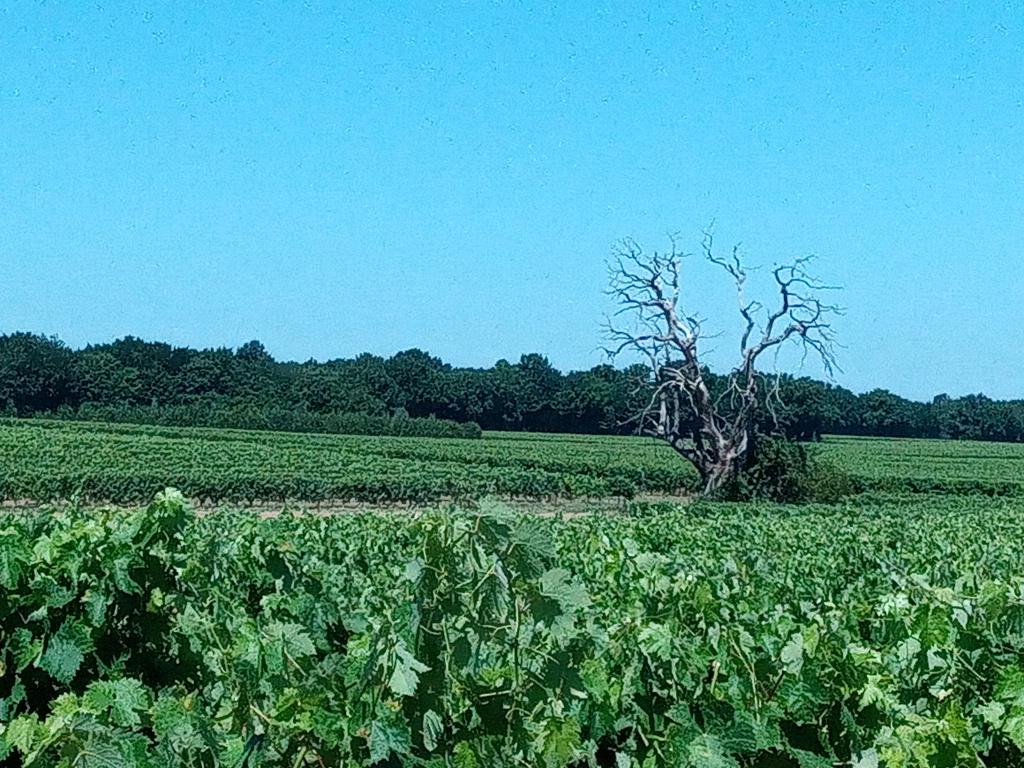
<point x="712" y="635"/>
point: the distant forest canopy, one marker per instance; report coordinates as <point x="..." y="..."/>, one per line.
<point x="153" y="382"/>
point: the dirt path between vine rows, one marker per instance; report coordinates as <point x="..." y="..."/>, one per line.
<point x="547" y="507"/>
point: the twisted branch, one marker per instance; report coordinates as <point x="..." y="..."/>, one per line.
<point x="679" y="406"/>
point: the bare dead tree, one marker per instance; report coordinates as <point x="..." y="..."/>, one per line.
<point x="713" y="432"/>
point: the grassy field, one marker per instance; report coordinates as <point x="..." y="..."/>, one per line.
<point x="883" y="631"/>
<point x="129" y="464"/>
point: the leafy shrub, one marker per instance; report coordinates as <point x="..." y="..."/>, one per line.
<point x="827" y="483"/>
<point x="787" y="471"/>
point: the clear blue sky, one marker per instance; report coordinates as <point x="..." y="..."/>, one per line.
<point x="334" y="179"/>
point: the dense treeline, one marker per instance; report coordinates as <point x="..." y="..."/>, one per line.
<point x="153" y="382"/>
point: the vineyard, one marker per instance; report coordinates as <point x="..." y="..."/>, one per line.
<point x="934" y="466"/>
<point x="119" y="463"/>
<point x="883" y="631"/>
<point x="129" y="464"/>
<point x="882" y="634"/>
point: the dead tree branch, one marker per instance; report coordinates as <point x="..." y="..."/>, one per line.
<point x="715" y="433"/>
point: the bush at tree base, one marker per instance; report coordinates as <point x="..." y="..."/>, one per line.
<point x="786" y="471"/>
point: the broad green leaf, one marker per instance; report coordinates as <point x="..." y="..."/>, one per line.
<point x="464" y="757"/>
<point x="62" y="659"/>
<point x="1010" y="686"/>
<point x="24" y="648"/>
<point x="866" y="759"/>
<point x="1013" y="727"/>
<point x="12" y="559"/>
<point x="21" y="733"/>
<point x="792" y="656"/>
<point x="294" y="639"/>
<point x="387" y="737"/>
<point x="432" y="729"/>
<point x="103" y="751"/>
<point x="125" y="698"/>
<point x="706" y="751"/>
<point x="655" y="640"/>
<point x="559" y="585"/>
<point x="405" y="676"/>
<point x="560" y="741"/>
<point x="992" y="713"/>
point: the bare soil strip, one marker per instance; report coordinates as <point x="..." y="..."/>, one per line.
<point x="558" y="507"/>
